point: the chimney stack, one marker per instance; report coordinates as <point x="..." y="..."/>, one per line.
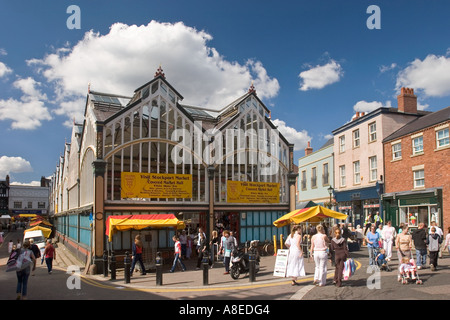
<point x="407" y="100"/>
<point x="308" y="150"/>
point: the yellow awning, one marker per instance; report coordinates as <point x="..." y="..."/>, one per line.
<point x="138" y="222"/>
<point x="45" y="231"/>
<point x="313" y="214"/>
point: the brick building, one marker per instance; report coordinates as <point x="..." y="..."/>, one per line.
<point x="417" y="171"/>
<point x="358" y="156"/>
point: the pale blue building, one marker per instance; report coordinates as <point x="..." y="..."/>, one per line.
<point x="316" y="174"/>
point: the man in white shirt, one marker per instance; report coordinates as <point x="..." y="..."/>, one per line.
<point x="183" y="242"/>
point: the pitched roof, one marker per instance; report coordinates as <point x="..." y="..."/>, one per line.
<point x="421" y="123"/>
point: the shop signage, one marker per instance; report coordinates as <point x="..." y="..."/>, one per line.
<point x="281" y="263"/>
<point x="417" y="202"/>
<point x="155" y="185"/>
<point x="252" y="192"/>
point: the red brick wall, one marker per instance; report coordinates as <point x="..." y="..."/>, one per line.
<point x="399" y="174"/>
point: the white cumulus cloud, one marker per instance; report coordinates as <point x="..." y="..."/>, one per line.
<point x="320" y="76"/>
<point x="13" y="165"/>
<point x="430" y="75"/>
<point x="4" y="69"/>
<point x="128" y="56"/>
<point x="28" y="112"/>
<point x="298" y="138"/>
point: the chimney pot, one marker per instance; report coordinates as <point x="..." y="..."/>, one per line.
<point x="407" y="100"/>
<point x="308" y="150"/>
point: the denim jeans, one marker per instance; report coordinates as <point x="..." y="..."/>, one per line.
<point x="421" y="257"/>
<point x="175" y="260"/>
<point x="22" y="281"/>
<point x="138" y="258"/>
<point x="372" y="255"/>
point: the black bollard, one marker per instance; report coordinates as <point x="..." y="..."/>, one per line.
<point x="159" y="264"/>
<point x="205" y="264"/>
<point x="251" y="267"/>
<point x="127" y="265"/>
<point x="113" y="266"/>
<point x="105" y="264"/>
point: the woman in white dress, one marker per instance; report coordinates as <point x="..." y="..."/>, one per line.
<point x="295" y="264"/>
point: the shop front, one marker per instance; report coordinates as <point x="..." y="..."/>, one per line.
<point x="414" y="207"/>
<point x="358" y="204"/>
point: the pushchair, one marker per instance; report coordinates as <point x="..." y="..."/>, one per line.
<point x="381" y="262"/>
<point x="408" y="272"/>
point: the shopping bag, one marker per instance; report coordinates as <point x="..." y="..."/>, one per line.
<point x="347" y="270"/>
<point x="352" y="266"/>
<point x="14" y="264"/>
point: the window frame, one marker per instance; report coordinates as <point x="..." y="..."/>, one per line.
<point x="373" y="169"/>
<point x="342" y="177"/>
<point x="325" y="173"/>
<point x="447" y="137"/>
<point x="372" y="133"/>
<point x="356" y="174"/>
<point x="394" y="157"/>
<point x="356" y="140"/>
<point x="342" y="144"/>
<point x="415" y="179"/>
<point x="414" y="150"/>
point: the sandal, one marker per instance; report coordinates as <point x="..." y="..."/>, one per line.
<point x="294" y="283"/>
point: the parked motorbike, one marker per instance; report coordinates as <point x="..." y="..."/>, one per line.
<point x="240" y="260"/>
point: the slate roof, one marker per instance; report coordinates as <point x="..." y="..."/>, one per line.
<point x="421" y="123"/>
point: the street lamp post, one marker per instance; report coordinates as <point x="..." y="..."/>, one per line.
<point x="330" y="192"/>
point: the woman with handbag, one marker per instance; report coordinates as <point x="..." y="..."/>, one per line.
<point x="340" y="249"/>
<point x="28" y="260"/>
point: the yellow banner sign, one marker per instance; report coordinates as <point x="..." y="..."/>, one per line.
<point x="155" y="185"/>
<point x="253" y="192"/>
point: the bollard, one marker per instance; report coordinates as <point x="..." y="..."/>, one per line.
<point x="251" y="267"/>
<point x="113" y="266"/>
<point x="205" y="264"/>
<point x="159" y="277"/>
<point x="127" y="265"/>
<point x="105" y="264"/>
<point x="275" y="245"/>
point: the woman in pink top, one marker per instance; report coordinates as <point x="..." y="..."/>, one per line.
<point x="319" y="246"/>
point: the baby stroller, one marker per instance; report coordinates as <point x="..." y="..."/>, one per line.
<point x="381" y="261"/>
<point x="408" y="272"/>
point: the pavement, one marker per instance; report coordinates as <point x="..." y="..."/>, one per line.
<point x="189" y="284"/>
<point x="191" y="279"/>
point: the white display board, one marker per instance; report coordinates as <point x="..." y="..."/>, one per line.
<point x="281" y="263"/>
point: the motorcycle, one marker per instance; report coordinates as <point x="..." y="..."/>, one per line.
<point x="240" y="260"/>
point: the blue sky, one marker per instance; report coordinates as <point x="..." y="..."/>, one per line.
<point x="314" y="63"/>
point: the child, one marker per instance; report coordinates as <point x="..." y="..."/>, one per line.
<point x="381" y="259"/>
<point x="407" y="268"/>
